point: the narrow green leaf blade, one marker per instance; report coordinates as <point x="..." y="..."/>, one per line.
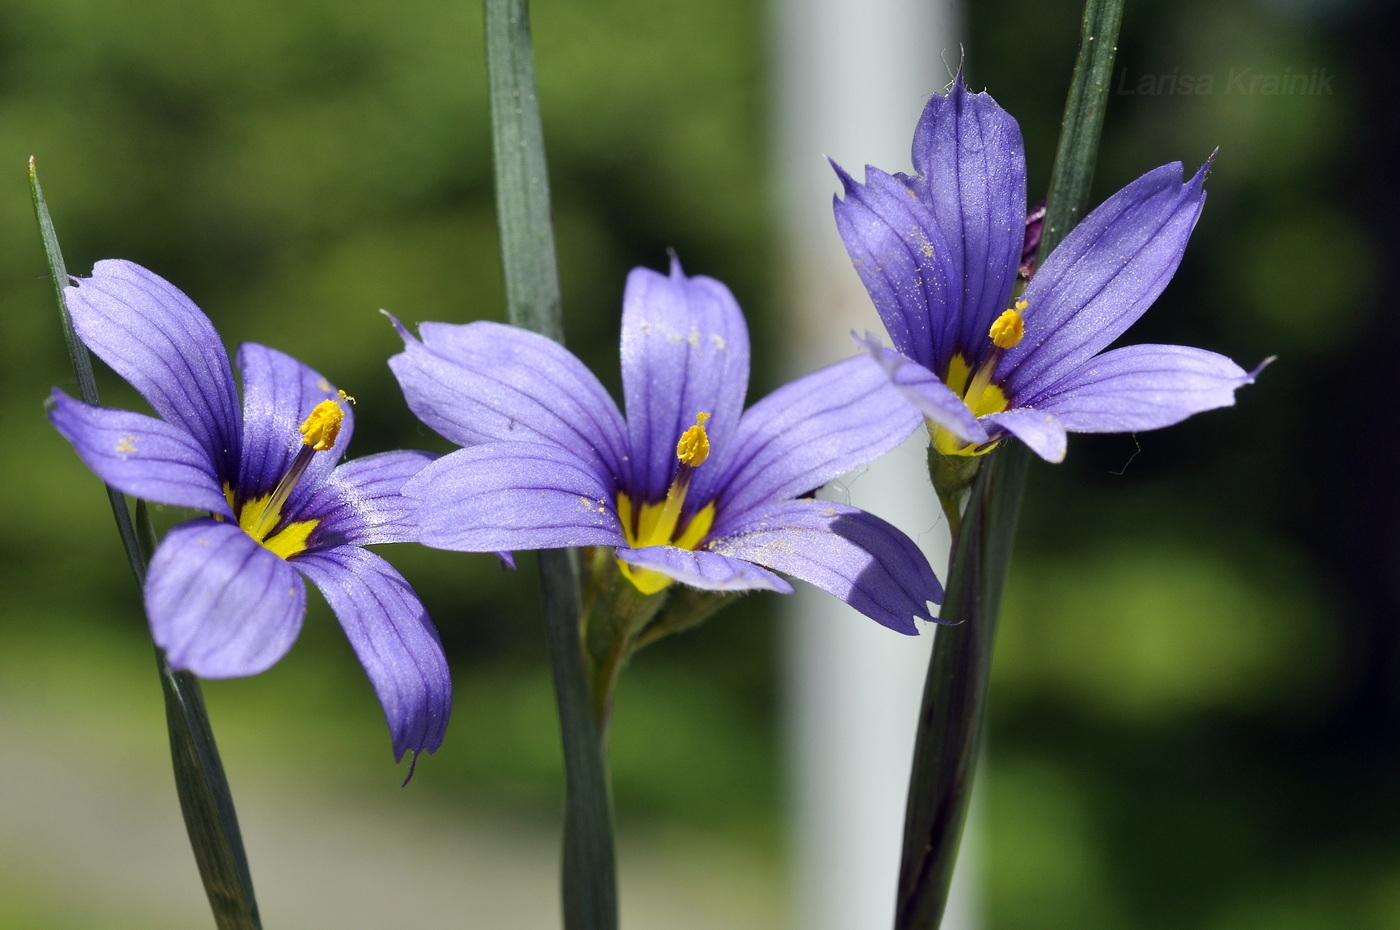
<point x="589" y="869"/>
<point x="207" y="803"/>
<point x="200" y="783"/>
<point x="532" y="294"/>
<point x="1078" y="148"/>
<point x="955" y="692"/>
<point x="522" y="180"/>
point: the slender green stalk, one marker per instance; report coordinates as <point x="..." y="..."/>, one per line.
<point x="1078" y="149"/>
<point x="955" y="692"/>
<point x="200" y="783"/>
<point x="532" y="294"/>
<point x="612" y="620"/>
<point x="522" y="180"/>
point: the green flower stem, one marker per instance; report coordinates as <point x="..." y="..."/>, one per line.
<point x="955" y="692"/>
<point x="619" y="620"/>
<point x="203" y="789"/>
<point x="952" y="477"/>
<point x="1078" y="148"/>
<point x="613" y="618"/>
<point x="532" y="295"/>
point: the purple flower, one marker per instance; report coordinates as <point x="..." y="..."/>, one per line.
<point x="688" y="487"/>
<point x="224" y="593"/>
<point x="939" y="253"/>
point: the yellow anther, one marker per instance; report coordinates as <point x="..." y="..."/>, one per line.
<point x="320" y="428"/>
<point x="1009" y="327"/>
<point x="694" y="446"/>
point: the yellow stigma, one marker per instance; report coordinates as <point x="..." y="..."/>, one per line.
<point x="320" y="428"/>
<point x="1009" y="327"/>
<point x="694" y="446"/>
<point x="980" y="399"/>
<point x="655" y="525"/>
<point x="658" y="523"/>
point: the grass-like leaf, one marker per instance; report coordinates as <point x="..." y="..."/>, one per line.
<point x="532" y="296"/>
<point x="200" y="783"/>
<point x="955" y="692"/>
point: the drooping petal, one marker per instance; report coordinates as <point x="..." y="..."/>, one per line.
<point x="1143" y="387"/>
<point x="279" y="393"/>
<point x="926" y="391"/>
<point x="856" y="556"/>
<point x="1105" y="274"/>
<point x="685" y="350"/>
<point x="972" y="166"/>
<point x="486" y="382"/>
<point x="902" y="258"/>
<point x="806" y="433"/>
<point x="711" y="571"/>
<point x="154" y="336"/>
<point x="221" y="605"/>
<point x="362" y="501"/>
<point x="393" y="639"/>
<point x="514" y="495"/>
<point x="140" y="455"/>
<point x="1042" y="431"/>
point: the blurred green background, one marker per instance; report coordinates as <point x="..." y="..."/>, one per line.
<point x="1194" y="714"/>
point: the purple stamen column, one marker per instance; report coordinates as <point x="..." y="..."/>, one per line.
<point x="851" y="77"/>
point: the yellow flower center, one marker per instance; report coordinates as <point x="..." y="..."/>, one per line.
<point x="976" y="389"/>
<point x="655" y="524"/>
<point x="260" y="517"/>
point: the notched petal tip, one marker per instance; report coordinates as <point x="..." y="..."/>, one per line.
<point x="412" y="767"/>
<point x="407" y="337"/>
<point x="848" y="183"/>
<point x="396" y="643"/>
<point x="1204" y="171"/>
<point x="959" y="81"/>
<point x="851" y="554"/>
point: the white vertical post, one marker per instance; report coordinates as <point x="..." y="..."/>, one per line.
<point x="852" y="78"/>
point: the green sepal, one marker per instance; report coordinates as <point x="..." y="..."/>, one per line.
<point x="685" y="609"/>
<point x="952" y="477"/>
<point x="614" y="615"/>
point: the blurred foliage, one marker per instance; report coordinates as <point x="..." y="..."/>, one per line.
<point x="1195" y="703"/>
<point x="1194" y="710"/>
